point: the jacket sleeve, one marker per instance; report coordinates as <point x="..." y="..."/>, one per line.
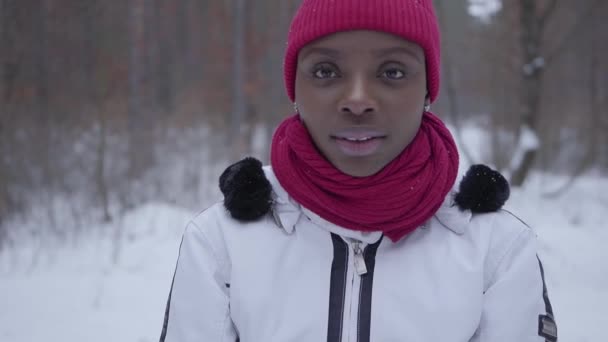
<point x="516" y="304"/>
<point x="198" y="305"/>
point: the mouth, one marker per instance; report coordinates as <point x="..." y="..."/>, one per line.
<point x="359" y="144"/>
<point x="364" y="139"/>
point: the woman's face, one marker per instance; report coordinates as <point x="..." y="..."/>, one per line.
<point x="361" y="95"/>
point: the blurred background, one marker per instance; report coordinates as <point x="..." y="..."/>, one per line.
<point x="117" y="118"/>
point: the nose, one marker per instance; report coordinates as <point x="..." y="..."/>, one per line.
<point x="358" y="98"/>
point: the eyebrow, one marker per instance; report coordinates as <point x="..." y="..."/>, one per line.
<point x="379" y="53"/>
<point x="397" y="50"/>
<point x="321" y="51"/>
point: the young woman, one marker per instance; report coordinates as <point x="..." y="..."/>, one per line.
<point x="354" y="232"/>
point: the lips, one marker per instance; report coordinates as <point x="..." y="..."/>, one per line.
<point x="358" y="143"/>
<point x="358" y="139"/>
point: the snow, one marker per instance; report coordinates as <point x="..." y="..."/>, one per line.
<point x="572" y="232"/>
<point x="484" y="9"/>
<point x="528" y="141"/>
<point x="530" y="68"/>
<point x="94" y="289"/>
<point x="97" y="290"/>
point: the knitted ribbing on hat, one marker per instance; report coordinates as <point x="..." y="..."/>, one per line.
<point x="413" y="20"/>
<point x="396" y="200"/>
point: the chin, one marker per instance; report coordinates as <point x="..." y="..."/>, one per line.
<point x="359" y="169"/>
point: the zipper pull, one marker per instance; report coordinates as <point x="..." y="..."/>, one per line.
<point x="360" y="266"/>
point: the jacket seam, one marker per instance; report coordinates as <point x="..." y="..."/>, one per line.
<point x="226" y="319"/>
<point x="165" y="328"/>
<point x="504" y="256"/>
<point x="220" y="261"/>
<point x="448" y="227"/>
<point x="221" y="266"/>
<point x="516" y="217"/>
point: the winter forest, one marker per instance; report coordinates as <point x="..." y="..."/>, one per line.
<point x="117" y="118"/>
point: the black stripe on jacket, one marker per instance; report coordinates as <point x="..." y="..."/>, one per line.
<point x="547" y="327"/>
<point x="337" y="291"/>
<point x="163" y="333"/>
<point x="365" y="295"/>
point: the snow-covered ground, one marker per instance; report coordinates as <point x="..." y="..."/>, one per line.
<point x="572" y="232"/>
<point x="98" y="290"/>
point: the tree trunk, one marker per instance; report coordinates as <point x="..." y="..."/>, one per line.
<point x="137" y="126"/>
<point x="450" y="84"/>
<point x="100" y="178"/>
<point x="531" y="83"/>
<point x="8" y="61"/>
<point x="161" y="55"/>
<point x="592" y="143"/>
<point x="184" y="47"/>
<point x="7" y="81"/>
<point x="275" y="89"/>
<point x="44" y="113"/>
<point x="236" y="136"/>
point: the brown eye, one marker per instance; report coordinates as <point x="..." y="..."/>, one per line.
<point x="393" y="74"/>
<point x="325" y="72"/>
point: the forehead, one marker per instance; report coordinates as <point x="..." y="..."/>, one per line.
<point x="361" y="41"/>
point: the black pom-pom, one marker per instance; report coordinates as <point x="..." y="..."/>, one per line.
<point x="247" y="191"/>
<point x="482" y="190"/>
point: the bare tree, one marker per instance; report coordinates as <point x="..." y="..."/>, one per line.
<point x="100" y="174"/>
<point x="533" y="21"/>
<point x="238" y="82"/>
<point x="593" y="127"/>
<point x="162" y="51"/>
<point x="44" y="111"/>
<point x="136" y="55"/>
<point x="7" y="74"/>
<point x="141" y="118"/>
<point x="453" y="97"/>
<point x="183" y="39"/>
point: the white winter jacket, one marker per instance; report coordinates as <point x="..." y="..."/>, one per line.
<point x="294" y="277"/>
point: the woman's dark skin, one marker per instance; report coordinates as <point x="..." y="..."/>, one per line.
<point x="361" y="96"/>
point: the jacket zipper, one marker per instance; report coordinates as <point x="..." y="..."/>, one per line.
<point x="360" y="266"/>
<point x="357" y="249"/>
<point x="350" y="296"/>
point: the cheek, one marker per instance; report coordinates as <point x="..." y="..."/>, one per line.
<point x="406" y="124"/>
<point x="315" y="124"/>
<point x="312" y="95"/>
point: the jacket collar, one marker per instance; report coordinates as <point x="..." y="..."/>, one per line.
<point x="287" y="213"/>
<point x="451" y="217"/>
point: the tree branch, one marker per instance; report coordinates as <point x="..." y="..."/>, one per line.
<point x="568" y="37"/>
<point x="548" y="13"/>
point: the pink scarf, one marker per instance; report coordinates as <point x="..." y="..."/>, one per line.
<point x="397" y="200"/>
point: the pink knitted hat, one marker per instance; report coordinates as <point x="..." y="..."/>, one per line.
<point x="413" y="20"/>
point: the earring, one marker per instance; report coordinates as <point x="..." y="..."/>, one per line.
<point x="427" y="107"/>
<point x="295" y="107"/>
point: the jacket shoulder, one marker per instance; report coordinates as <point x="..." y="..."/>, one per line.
<point x="501" y="220"/>
<point x="506" y="237"/>
<point x="213" y="215"/>
<point x="210" y="224"/>
<point x="222" y="229"/>
<point x="502" y="229"/>
<point x="216" y="221"/>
